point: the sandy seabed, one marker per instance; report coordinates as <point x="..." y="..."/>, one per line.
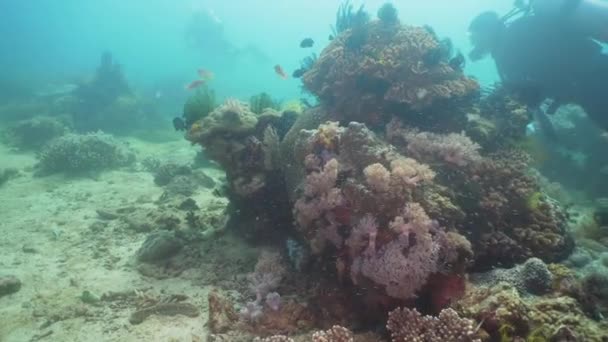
<point x="47" y="242"/>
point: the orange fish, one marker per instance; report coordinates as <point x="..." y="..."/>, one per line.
<point x="205" y="74"/>
<point x="194" y="84"/>
<point x="279" y="70"/>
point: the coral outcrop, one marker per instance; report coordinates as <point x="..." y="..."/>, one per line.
<point x="382" y="66"/>
<point x="78" y="153"/>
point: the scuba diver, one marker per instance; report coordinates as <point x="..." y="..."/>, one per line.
<point x="552" y="51"/>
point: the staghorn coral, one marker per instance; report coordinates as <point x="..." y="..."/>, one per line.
<point x="78" y="153"/>
<point x="409" y="325"/>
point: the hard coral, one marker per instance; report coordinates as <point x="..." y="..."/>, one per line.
<point x="408" y="325"/>
<point x="335" y="334"/>
<point x="388" y="69"/>
<point x="35" y="132"/>
<point x="502" y="310"/>
<point x="75" y="153"/>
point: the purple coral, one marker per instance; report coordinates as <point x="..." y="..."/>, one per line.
<point x="409" y="325"/>
<point x="273" y="300"/>
<point x="404" y="264"/>
<point x="268" y="273"/>
<point x="363" y="236"/>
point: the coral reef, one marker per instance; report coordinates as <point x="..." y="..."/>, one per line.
<point x="35" y="132"/>
<point x="262" y="101"/>
<point x="106" y="102"/>
<point x="531" y="277"/>
<point x="387" y="73"/>
<point x="402" y="180"/>
<point x="199" y="105"/>
<point x="409" y="325"/>
<point x="499" y="120"/>
<point x="76" y="153"/>
<point x="504" y="314"/>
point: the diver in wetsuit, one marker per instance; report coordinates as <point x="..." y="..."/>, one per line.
<point x="550" y="53"/>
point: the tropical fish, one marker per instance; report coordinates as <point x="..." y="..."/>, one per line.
<point x="179" y="124"/>
<point x="194" y="84"/>
<point x="279" y="71"/>
<point x="307" y="42"/>
<point x="205" y="74"/>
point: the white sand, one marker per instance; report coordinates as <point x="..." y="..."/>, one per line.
<point x="52" y="215"/>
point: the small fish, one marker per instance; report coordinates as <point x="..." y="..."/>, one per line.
<point x="179" y="124"/>
<point x="279" y="71"/>
<point x="307" y="43"/>
<point x="331" y="37"/>
<point x="205" y="74"/>
<point x="298" y="73"/>
<point x="194" y="84"/>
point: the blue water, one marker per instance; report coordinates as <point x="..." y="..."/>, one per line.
<point x="48" y="40"/>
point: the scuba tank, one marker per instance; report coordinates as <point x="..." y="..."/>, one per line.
<point x="590" y="17"/>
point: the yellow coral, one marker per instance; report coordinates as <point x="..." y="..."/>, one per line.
<point x="293" y="106"/>
<point x="327" y="135"/>
<point x="534" y="201"/>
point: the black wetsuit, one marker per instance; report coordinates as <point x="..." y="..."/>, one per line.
<point x="540" y="59"/>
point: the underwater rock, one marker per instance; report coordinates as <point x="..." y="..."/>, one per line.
<point x="159" y="246"/>
<point x="7" y="174"/>
<point x="164" y="309"/>
<point x="181" y="185"/>
<point x="29" y="249"/>
<point x="9" y="284"/>
<point x="164" y="173"/>
<point x="188" y="205"/>
<point x="222" y="315"/>
<point x="78" y="153"/>
<point x="106" y="215"/>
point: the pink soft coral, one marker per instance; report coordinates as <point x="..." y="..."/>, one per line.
<point x="403" y="264"/>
